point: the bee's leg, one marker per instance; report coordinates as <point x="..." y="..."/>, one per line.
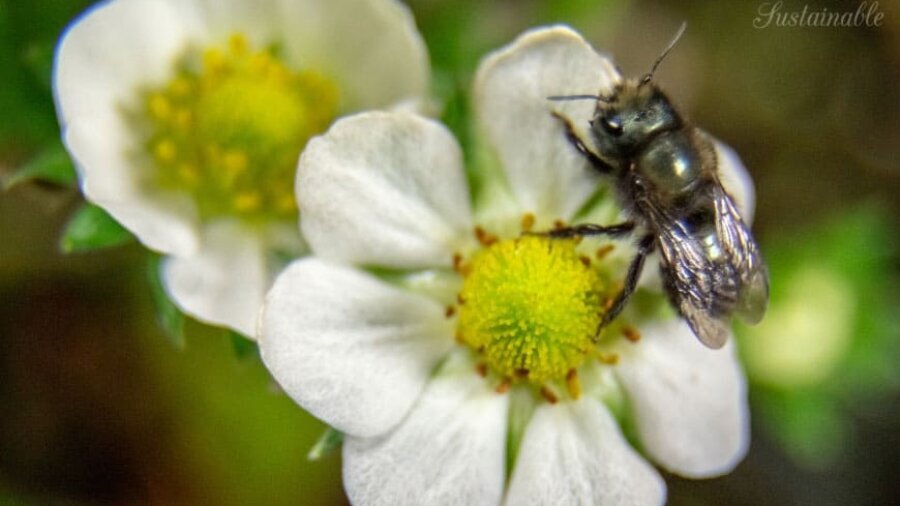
<point x="617" y="230"/>
<point x="576" y="141"/>
<point x="645" y="247"/>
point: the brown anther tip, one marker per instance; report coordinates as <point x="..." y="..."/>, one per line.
<point x="608" y="358"/>
<point x="503" y="387"/>
<point x="457" y="262"/>
<point x="460" y="300"/>
<point x="558" y="224"/>
<point x="631" y="334"/>
<point x="481" y="369"/>
<point x="449" y="311"/>
<point x="571" y="374"/>
<point x="483" y="237"/>
<point x="549" y="395"/>
<point x="602" y="251"/>
<point x="585" y="260"/>
<point x="608" y="303"/>
<point x="522" y="372"/>
<point x="527" y="222"/>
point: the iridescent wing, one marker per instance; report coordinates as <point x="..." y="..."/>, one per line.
<point x="744" y="255"/>
<point x="712" y="269"/>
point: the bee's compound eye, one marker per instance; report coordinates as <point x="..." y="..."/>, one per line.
<point x="612" y="125"/>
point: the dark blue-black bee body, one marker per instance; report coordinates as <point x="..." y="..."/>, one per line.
<point x="666" y="177"/>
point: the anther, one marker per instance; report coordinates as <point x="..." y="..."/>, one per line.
<point x="527" y="222"/>
<point x="449" y="311"/>
<point x="604" y="250"/>
<point x="631" y="333"/>
<point x="485" y="238"/>
<point x="482" y="369"/>
<point x="608" y="358"/>
<point x="549" y="395"/>
<point x="573" y="384"/>
<point x="503" y="387"/>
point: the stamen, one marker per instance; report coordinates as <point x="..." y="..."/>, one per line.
<point x="604" y="250"/>
<point x="608" y="358"/>
<point x="631" y="333"/>
<point x="573" y="384"/>
<point x="549" y="395"/>
<point x="228" y="128"/>
<point x="527" y="222"/>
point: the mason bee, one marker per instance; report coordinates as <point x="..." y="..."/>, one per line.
<point x="666" y="177"/>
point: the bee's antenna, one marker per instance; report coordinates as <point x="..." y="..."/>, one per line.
<point x="560" y="98"/>
<point x="646" y="79"/>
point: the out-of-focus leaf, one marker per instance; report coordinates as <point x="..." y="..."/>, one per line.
<point x="243" y="346"/>
<point x="809" y="424"/>
<point x="51" y="165"/>
<point x="329" y="441"/>
<point x="38" y="58"/>
<point x="169" y="318"/>
<point x="91" y="228"/>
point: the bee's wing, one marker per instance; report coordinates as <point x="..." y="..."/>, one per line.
<point x="695" y="284"/>
<point x="712" y="274"/>
<point x="744" y="256"/>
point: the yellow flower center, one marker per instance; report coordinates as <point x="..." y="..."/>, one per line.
<point x="230" y="126"/>
<point x="531" y="307"/>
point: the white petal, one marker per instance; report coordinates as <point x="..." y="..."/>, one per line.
<point x="689" y="402"/>
<point x="259" y="21"/>
<point x="348" y="348"/>
<point x="736" y="181"/>
<point x="573" y="453"/>
<point x="548" y="176"/>
<point x="385" y="189"/>
<point x="371" y="47"/>
<point x="450" y="450"/>
<point x="100" y="62"/>
<point x="225" y="281"/>
<point x="111" y="50"/>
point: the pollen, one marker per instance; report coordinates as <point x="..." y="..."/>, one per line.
<point x="229" y="127"/>
<point x="532" y="306"/>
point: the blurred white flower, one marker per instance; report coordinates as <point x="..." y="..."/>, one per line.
<point x="456" y="354"/>
<point x="185" y="119"/>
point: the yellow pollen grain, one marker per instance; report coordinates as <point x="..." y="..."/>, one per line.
<point x="165" y="151"/>
<point x="247" y="201"/>
<point x="159" y="106"/>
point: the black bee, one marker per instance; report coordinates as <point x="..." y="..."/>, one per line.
<point x="666" y="178"/>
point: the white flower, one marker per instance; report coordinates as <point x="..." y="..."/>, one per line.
<point x="460" y="370"/>
<point x="185" y="119"/>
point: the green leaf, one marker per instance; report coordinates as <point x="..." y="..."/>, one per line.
<point x="90" y="228"/>
<point x="169" y="318"/>
<point x="38" y="58"/>
<point x="51" y="165"/>
<point x="243" y="346"/>
<point x="329" y="441"/>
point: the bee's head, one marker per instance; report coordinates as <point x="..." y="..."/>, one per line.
<point x="634" y="113"/>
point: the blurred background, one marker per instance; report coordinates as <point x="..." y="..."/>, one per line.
<point x="98" y="406"/>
